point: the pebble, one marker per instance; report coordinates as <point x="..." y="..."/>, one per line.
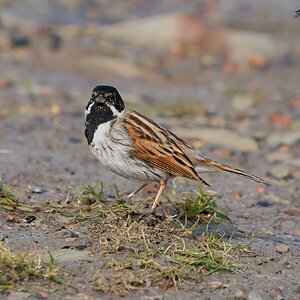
<point x="18" y="295"/>
<point x="242" y="103"/>
<point x="215" y="284"/>
<point x="42" y="294"/>
<point x="259" y="134"/>
<point x="278" y="156"/>
<point x="74" y="139"/>
<point x="255" y="295"/>
<point x="280" y="171"/>
<point x="37" y="189"/>
<point x="277" y="199"/>
<point x="19" y="41"/>
<point x="282" y="248"/>
<point x="80" y="247"/>
<point x="287" y="138"/>
<point x="30" y="219"/>
<point x="239" y="294"/>
<point x="263" y="203"/>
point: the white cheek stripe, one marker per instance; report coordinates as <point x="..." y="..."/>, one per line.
<point x="114" y="111"/>
<point x="88" y="110"/>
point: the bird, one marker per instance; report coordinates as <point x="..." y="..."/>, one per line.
<point x="137" y="148"/>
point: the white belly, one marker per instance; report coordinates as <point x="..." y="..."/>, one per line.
<point x="112" y="148"/>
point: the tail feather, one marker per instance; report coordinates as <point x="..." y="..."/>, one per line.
<point x="210" y="164"/>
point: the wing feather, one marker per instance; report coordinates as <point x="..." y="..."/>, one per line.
<point x="157" y="147"/>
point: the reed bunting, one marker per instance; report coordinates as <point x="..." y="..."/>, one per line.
<point x="137" y="148"/>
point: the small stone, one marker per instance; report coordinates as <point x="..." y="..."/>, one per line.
<point x="43" y="295"/>
<point x="278" y="157"/>
<point x="263" y="203"/>
<point x="269" y="233"/>
<point x="158" y="297"/>
<point x="259" y="134"/>
<point x="37" y="189"/>
<point x="277" y="199"/>
<point x="215" y="284"/>
<point x="55" y="41"/>
<point x="18" y="295"/>
<point x="280" y="171"/>
<point x="74" y="139"/>
<point x="148" y="283"/>
<point x="239" y="294"/>
<point x="80" y="247"/>
<point x="242" y="103"/>
<point x="19" y="41"/>
<point x="255" y="295"/>
<point x="282" y="248"/>
<point x="30" y="219"/>
<point x="74" y="235"/>
<point x="287" y="138"/>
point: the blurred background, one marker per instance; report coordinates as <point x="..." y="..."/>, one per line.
<point x="224" y="75"/>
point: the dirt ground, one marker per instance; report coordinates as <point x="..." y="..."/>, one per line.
<point x="223" y="76"/>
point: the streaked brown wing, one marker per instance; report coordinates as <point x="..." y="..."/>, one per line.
<point x="158" y="147"/>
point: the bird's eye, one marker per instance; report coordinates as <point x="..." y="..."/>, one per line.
<point x="113" y="97"/>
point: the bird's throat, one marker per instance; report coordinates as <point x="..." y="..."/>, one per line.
<point x="96" y="117"/>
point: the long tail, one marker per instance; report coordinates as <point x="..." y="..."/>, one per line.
<point x="207" y="163"/>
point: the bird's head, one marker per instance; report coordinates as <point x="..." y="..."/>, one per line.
<point x="104" y="106"/>
<point x="105" y="102"/>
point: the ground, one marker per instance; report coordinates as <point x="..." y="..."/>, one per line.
<point x="231" y="89"/>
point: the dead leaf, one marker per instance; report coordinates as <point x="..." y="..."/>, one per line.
<point x="165" y="285"/>
<point x="10" y="217"/>
<point x="282" y="120"/>
<point x="230" y="68"/>
<point x="43" y="295"/>
<point x="223" y="153"/>
<point x="257" y="61"/>
<point x="291" y="212"/>
<point x="261" y="189"/>
<point x="296" y="102"/>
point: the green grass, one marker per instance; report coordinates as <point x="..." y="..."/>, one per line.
<point x="141" y="249"/>
<point x="165" y="254"/>
<point x="18" y="267"/>
<point x="8" y="201"/>
<point x="201" y="204"/>
<point x="192" y="206"/>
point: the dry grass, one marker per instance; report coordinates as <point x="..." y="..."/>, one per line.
<point x="18" y="267"/>
<point x="141" y="249"/>
<point x="137" y="249"/>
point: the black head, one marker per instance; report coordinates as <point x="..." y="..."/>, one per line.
<point x="105" y="105"/>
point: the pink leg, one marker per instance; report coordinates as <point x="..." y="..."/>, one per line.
<point x="163" y="184"/>
<point x="136" y="191"/>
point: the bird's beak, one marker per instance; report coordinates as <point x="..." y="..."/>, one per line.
<point x="100" y="99"/>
